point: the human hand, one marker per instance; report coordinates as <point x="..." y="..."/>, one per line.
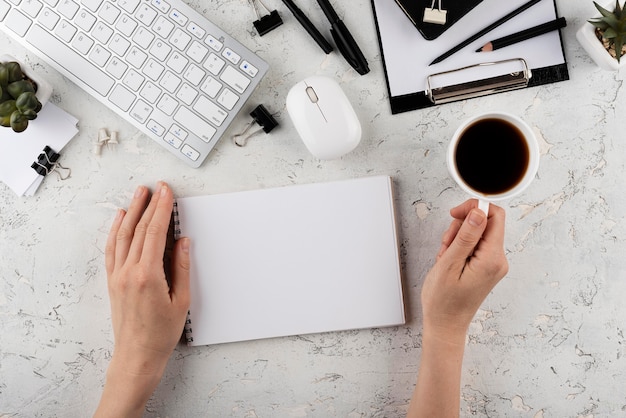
<point x="148" y="317"/>
<point x="469" y="264"/>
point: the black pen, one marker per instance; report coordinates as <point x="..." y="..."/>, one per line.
<point x="523" y="35"/>
<point x="308" y="26"/>
<point x="484" y="31"/>
<point x="344" y="40"/>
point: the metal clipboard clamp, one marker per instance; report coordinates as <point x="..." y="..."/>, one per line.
<point x="510" y="80"/>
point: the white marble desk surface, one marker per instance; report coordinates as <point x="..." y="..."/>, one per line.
<point x="548" y="342"/>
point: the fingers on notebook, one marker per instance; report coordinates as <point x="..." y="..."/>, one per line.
<point x="141" y="232"/>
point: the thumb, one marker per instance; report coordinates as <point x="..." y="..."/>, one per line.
<point x="468" y="236"/>
<point x="180" y="272"/>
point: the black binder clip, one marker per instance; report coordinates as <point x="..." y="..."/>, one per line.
<point x="266" y="23"/>
<point x="260" y="116"/>
<point x="47" y="162"/>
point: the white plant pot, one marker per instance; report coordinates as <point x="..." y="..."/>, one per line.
<point x="587" y="37"/>
<point x="44" y="89"/>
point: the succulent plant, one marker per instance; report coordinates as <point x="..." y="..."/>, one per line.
<point x="612" y="28"/>
<point x="18" y="102"/>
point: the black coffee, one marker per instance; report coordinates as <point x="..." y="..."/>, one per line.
<point x="492" y="156"/>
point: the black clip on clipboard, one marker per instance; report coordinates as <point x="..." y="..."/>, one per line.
<point x="454" y="10"/>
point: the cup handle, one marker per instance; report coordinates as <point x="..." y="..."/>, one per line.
<point x="483" y="205"/>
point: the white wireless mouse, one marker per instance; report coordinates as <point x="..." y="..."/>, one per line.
<point x="323" y="117"/>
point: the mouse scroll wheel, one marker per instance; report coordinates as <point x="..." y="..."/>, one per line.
<point x="311" y="93"/>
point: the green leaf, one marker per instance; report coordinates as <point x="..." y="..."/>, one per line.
<point x="15" y="71"/>
<point x="4" y="75"/>
<point x="27" y="101"/>
<point x="19" y="122"/>
<point x="18" y="87"/>
<point x="8" y="107"/>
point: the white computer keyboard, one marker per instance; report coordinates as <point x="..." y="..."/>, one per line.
<point x="159" y="64"/>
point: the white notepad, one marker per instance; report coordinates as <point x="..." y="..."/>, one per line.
<point x="292" y="260"/>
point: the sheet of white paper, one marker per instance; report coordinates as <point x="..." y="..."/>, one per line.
<point x="408" y="55"/>
<point x="293" y="260"/>
<point x="53" y="127"/>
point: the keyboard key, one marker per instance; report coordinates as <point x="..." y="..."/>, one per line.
<point x="196" y="30"/>
<point x="60" y="53"/>
<point x="160" y="50"/>
<point x="126" y="25"/>
<point x="122" y="97"/>
<point x="228" y="99"/>
<point x="92" y="5"/>
<point x="136" y="57"/>
<point x="129" y="5"/>
<point x="17" y="22"/>
<point x="170" y="81"/>
<point x="197" y="51"/>
<point x="194" y="124"/>
<point x="116" y="67"/>
<point x="214" y="64"/>
<point x="85" y="20"/>
<point x="65" y="31"/>
<point x="249" y="69"/>
<point x="187" y="94"/>
<point x="211" y="87"/>
<point x="231" y="56"/>
<point x="133" y="80"/>
<point x="4" y="9"/>
<point x="141" y="111"/>
<point x="194" y="74"/>
<point x="31" y="7"/>
<point x="153" y="69"/>
<point x="82" y="43"/>
<point x="119" y="45"/>
<point x="167" y="104"/>
<point x="68" y="8"/>
<point x="109" y="13"/>
<point x="210" y="111"/>
<point x="213" y="43"/>
<point x="143" y="37"/>
<point x="177" y="62"/>
<point x="48" y="18"/>
<point x="102" y="33"/>
<point x="99" y="55"/>
<point x="150" y="92"/>
<point x="163" y="27"/>
<point x="191" y="153"/>
<point x="235" y="79"/>
<point x="155" y="127"/>
<point x="161" y="5"/>
<point x="178" y="132"/>
<point x="146" y="14"/>
<point x="180" y="39"/>
<point x="173" y="140"/>
<point x="178" y="17"/>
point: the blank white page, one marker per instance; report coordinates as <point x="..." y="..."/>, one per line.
<point x="292" y="260"/>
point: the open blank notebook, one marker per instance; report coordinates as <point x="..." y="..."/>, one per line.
<point x="292" y="260"/>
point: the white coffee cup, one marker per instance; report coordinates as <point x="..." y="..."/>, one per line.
<point x="493" y="156"/>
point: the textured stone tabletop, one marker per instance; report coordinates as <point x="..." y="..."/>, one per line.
<point x="548" y="342"/>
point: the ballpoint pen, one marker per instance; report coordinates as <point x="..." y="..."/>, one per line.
<point x="344" y="40"/>
<point x="308" y="26"/>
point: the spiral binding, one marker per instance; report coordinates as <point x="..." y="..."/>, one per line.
<point x="188" y="330"/>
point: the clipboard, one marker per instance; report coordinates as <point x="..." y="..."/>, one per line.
<point x="454" y="10"/>
<point x="407" y="55"/>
